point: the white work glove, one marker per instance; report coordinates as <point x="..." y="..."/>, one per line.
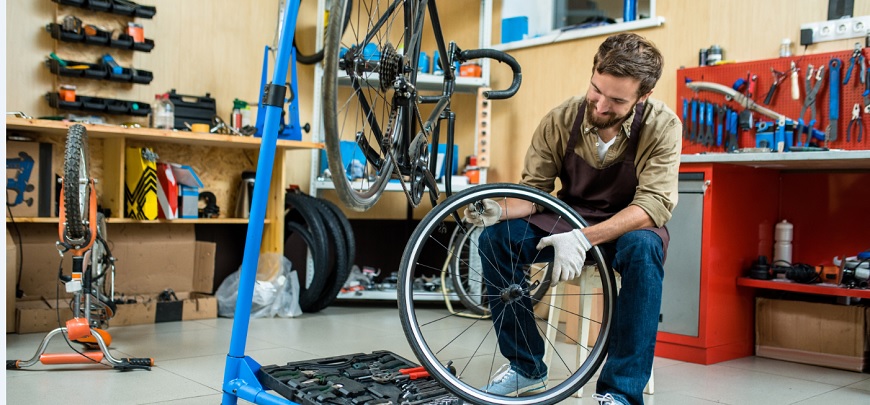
<point x="570" y="253"/>
<point x="489" y="215"/>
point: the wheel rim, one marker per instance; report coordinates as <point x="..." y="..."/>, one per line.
<point x="362" y="122"/>
<point x="470" y="344"/>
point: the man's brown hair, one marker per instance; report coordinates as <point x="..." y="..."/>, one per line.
<point x="630" y="55"/>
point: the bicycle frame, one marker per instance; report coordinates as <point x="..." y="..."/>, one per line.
<point x="406" y="153"/>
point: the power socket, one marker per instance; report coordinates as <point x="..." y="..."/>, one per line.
<point x="844" y="28"/>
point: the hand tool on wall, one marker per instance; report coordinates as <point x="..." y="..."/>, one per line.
<point x="708" y="140"/>
<point x="855" y="122"/>
<point x="809" y="104"/>
<point x="857" y="57"/>
<point x="753" y="80"/>
<point x="731" y="144"/>
<point x="795" y="89"/>
<point x="685" y="118"/>
<point x="778" y="77"/>
<point x="720" y="122"/>
<point x="702" y="126"/>
<point x="694" y="132"/>
<point x="834" y="107"/>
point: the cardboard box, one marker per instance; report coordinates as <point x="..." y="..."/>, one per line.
<point x="140" y="183"/>
<point x="11" y="279"/>
<point x="813" y="333"/>
<point x="151" y="259"/>
<point x="29" y="179"/>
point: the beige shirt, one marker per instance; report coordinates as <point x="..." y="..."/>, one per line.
<point x="657" y="161"/>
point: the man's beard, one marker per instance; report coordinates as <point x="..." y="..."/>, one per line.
<point x="604" y="122"/>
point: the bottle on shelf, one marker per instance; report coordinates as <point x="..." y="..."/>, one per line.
<point x="162" y="112"/>
<point x="237" y="116"/>
<point x="782" y="248"/>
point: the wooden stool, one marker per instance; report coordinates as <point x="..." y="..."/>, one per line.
<point x="589" y="280"/>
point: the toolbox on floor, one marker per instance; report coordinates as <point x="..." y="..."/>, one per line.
<point x="380" y="377"/>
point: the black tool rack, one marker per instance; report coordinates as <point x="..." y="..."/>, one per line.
<point x="119" y="7"/>
<point x="348" y="380"/>
<point x="103" y="38"/>
<point x="99" y="71"/>
<point x="100" y="105"/>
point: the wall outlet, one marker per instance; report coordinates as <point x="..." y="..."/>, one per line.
<point x="844" y="28"/>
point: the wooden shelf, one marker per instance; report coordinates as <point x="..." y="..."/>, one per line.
<point x="198" y="221"/>
<point x="819" y="289"/>
<point x="59" y="128"/>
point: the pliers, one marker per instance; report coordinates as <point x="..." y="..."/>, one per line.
<point x="858" y="57"/>
<point x="809" y="104"/>
<point x="856" y="121"/>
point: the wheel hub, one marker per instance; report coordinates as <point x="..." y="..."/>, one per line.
<point x="512" y="293"/>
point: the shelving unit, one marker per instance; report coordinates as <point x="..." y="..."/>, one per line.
<point x="112" y="142"/>
<point x="731" y="221"/>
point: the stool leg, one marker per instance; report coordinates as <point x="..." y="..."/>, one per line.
<point x="553" y="319"/>
<point x="586" y="312"/>
<point x="650" y="385"/>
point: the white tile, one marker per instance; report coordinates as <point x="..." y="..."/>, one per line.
<point x="848" y="396"/>
<point x="797" y="370"/>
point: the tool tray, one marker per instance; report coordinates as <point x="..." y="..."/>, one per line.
<point x="348" y="380"/>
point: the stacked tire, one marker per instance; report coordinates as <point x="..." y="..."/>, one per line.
<point x="319" y="242"/>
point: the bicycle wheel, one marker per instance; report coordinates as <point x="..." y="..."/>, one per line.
<point x="76" y="190"/>
<point x="363" y="121"/>
<point x="468" y="285"/>
<point x="315" y="57"/>
<point x="469" y="346"/>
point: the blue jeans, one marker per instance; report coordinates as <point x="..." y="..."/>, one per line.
<point x="638" y="255"/>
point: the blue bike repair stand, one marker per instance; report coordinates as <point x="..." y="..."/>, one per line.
<point x="240" y="372"/>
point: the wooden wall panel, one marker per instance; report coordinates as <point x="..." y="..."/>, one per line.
<point x="745" y="29"/>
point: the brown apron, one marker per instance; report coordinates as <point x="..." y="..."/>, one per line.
<point x="597" y="194"/>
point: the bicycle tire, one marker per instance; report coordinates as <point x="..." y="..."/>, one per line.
<point x="338" y="259"/>
<point x="472" y="353"/>
<point x="309" y="292"/>
<point x="367" y="112"/>
<point x="76" y="187"/>
<point x="310" y="59"/>
<point x="313" y="274"/>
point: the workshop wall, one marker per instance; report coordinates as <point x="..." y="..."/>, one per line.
<point x="552" y="73"/>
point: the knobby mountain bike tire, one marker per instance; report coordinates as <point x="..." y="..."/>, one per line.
<point x="362" y="121"/>
<point x="469" y="345"/>
<point x="76" y="190"/>
<point x="310" y="59"/>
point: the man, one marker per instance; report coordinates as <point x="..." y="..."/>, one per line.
<point x="616" y="152"/>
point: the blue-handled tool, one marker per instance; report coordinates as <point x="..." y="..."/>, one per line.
<point x="857" y="57"/>
<point x="720" y="115"/>
<point x="834" y="111"/>
<point x="702" y="107"/>
<point x="685" y="115"/>
<point x="694" y="120"/>
<point x="708" y="139"/>
<point x="731" y="146"/>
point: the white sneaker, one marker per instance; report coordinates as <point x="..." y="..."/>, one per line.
<point x="605" y="399"/>
<point x="508" y="382"/>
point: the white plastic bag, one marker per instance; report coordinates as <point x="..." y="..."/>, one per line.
<point x="276" y="290"/>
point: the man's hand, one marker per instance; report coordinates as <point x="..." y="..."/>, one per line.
<point x="483" y="213"/>
<point x="570" y="253"/>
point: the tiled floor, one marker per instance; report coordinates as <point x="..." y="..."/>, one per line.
<point x="190" y="359"/>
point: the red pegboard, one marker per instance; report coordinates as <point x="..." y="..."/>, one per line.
<point x="728" y="74"/>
